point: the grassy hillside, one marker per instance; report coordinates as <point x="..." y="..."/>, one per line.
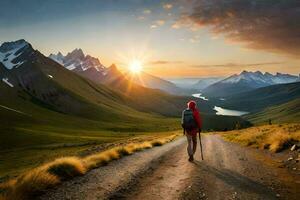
<point x="262" y="98"/>
<point x="273" y="137"/>
<point x="283" y="113"/>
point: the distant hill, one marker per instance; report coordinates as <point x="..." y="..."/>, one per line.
<point x="150" y="81"/>
<point x="246" y="81"/>
<point x="259" y="99"/>
<point x="195" y="84"/>
<point x="283" y="113"/>
<point x="206" y="82"/>
<point x="91" y="68"/>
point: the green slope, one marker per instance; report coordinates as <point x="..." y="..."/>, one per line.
<point x="285" y="113"/>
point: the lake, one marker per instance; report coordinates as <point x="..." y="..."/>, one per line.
<point x="228" y="112"/>
<point x="199" y="95"/>
<point x="220" y="110"/>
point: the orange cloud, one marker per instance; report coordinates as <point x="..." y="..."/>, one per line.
<point x="264" y="25"/>
<point x="167" y="6"/>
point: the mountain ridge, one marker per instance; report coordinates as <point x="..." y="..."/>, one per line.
<point x="91" y="68"/>
<point x="246" y="81"/>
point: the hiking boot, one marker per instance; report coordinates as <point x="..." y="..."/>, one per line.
<point x="191" y="158"/>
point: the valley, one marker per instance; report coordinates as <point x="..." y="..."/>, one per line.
<point x="72" y="105"/>
<point x="149" y="99"/>
<point x="51" y="111"/>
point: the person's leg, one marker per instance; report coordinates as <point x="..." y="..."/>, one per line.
<point x="194" y="139"/>
<point x="189" y="147"/>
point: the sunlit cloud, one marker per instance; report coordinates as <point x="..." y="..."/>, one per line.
<point x="167" y="6"/>
<point x="160" y="22"/>
<point x="176" y="26"/>
<point x="164" y="62"/>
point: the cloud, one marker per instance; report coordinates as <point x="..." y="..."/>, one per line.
<point x="157" y="24"/>
<point x="167" y="6"/>
<point x="238" y="65"/>
<point x="176" y="25"/>
<point x="164" y="62"/>
<point x="264" y="25"/>
<point x="160" y="22"/>
<point x="147" y="11"/>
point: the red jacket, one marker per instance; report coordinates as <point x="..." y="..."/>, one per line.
<point x="197" y="117"/>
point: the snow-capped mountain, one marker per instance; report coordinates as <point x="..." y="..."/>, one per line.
<point x="261" y="79"/>
<point x="246" y="81"/>
<point x="87" y="66"/>
<point x="13" y="54"/>
<point x="91" y="68"/>
<point x="57" y="58"/>
<point x="77" y="61"/>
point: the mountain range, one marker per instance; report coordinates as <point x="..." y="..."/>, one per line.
<point x="195" y="84"/>
<point x="91" y="68"/>
<point x="46" y="81"/>
<point x="246" y="81"/>
<point x="52" y="94"/>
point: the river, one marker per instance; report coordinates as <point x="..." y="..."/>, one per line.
<point x="220" y="110"/>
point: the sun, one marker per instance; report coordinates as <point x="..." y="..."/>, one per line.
<point x="135" y="66"/>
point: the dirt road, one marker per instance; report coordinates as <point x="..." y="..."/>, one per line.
<point x="229" y="171"/>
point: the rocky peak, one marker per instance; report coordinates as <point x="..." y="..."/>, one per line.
<point x="10" y="46"/>
<point x="75" y="54"/>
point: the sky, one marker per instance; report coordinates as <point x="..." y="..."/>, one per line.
<point x="172" y="39"/>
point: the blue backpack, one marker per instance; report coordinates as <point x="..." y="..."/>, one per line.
<point x="188" y="122"/>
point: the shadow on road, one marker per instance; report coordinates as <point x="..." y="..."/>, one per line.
<point x="237" y="180"/>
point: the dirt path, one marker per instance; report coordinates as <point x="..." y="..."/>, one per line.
<point x="228" y="172"/>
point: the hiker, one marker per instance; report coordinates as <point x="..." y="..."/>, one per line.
<point x="191" y="123"/>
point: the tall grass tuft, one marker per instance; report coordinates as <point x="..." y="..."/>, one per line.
<point x="30" y="185"/>
<point x="278" y="141"/>
<point x="66" y="168"/>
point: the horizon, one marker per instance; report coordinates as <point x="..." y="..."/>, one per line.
<point x="126" y="69"/>
<point x="121" y="32"/>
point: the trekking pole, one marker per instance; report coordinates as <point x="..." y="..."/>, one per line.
<point x="200" y="146"/>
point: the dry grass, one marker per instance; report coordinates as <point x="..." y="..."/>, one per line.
<point x="35" y="181"/>
<point x="273" y="137"/>
<point x="100" y="159"/>
<point x="30" y="184"/>
<point x="66" y="168"/>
